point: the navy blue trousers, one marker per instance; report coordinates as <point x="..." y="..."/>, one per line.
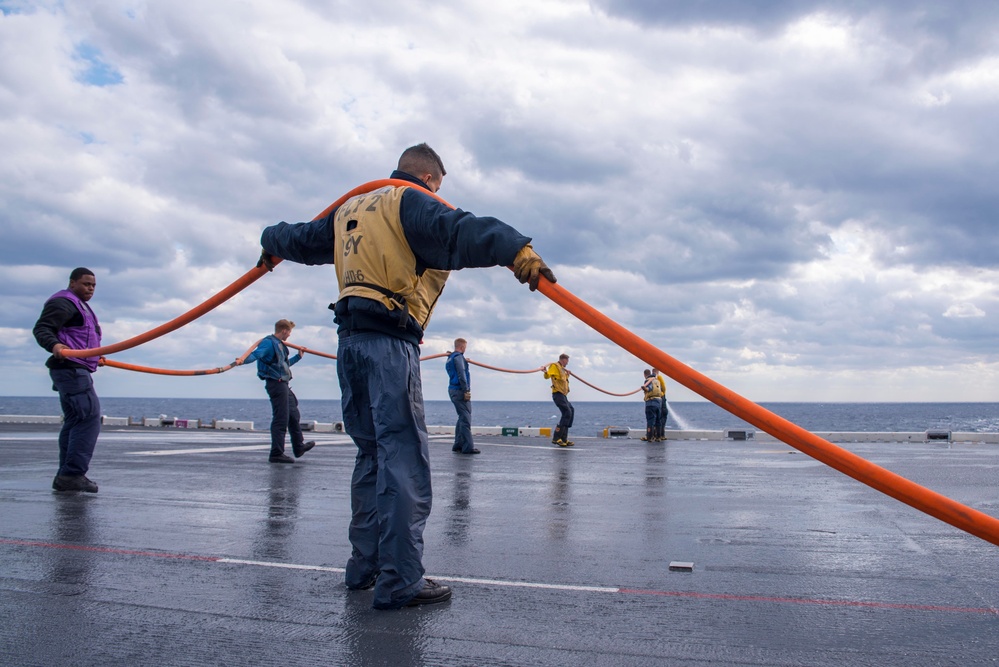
<point x="284" y="416"/>
<point x="390" y="492"/>
<point x="663" y="415"/>
<point x="567" y="414"/>
<point x="81" y="412"/>
<point x="463" y="428"/>
<point x="653" y="412"/>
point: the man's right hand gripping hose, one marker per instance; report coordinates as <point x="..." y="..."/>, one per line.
<point x="528" y="267"/>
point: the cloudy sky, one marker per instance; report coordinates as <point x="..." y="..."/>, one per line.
<point x="798" y="199"/>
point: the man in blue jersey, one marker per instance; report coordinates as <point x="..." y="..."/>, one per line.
<point x="459" y="390"/>
<point x="392" y="249"/>
<point x="274" y="368"/>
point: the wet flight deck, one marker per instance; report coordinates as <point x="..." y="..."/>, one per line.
<point x="197" y="551"/>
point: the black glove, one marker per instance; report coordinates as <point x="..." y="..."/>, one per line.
<point x="265" y="260"/>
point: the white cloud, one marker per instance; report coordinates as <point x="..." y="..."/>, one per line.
<point x="964" y="310"/>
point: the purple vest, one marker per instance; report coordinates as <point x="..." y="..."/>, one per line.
<point x="80" y="338"/>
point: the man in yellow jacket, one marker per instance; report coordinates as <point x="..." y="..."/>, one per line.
<point x="559" y="375"/>
<point x="652" y="394"/>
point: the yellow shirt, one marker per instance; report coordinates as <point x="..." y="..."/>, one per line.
<point x="559" y="377"/>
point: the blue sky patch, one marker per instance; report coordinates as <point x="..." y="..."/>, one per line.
<point x="97" y="72"/>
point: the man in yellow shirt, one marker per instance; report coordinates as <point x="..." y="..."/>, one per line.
<point x="559" y="375"/>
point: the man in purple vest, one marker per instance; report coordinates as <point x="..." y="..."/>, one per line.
<point x="67" y="322"/>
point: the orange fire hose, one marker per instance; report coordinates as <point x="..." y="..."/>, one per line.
<point x="504" y="370"/>
<point x="241" y="358"/>
<point x="163" y="371"/>
<point x="166" y="371"/>
<point x="930" y="502"/>
<point x="609" y="393"/>
<point x="222" y="369"/>
<point x="539" y="370"/>
<point x="235" y="288"/>
<point x="232" y="290"/>
<point x="306" y="350"/>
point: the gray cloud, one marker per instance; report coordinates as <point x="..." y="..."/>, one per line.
<point x="769" y="192"/>
<point x="941" y="34"/>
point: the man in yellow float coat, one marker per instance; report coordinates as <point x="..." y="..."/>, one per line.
<point x="392" y="249"/>
<point x="652" y="393"/>
<point x="559" y="375"/>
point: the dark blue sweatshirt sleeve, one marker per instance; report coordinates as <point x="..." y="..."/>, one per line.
<point x="446" y="239"/>
<point x="301" y="242"/>
<point x="56" y="314"/>
<point x="264" y="351"/>
<point x="460" y="369"/>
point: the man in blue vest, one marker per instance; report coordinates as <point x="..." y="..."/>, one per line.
<point x="67" y="322"/>
<point x="459" y="389"/>
<point x="392" y="249"/>
<point x="274" y="368"/>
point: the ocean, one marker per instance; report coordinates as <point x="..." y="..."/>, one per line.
<point x="591" y="416"/>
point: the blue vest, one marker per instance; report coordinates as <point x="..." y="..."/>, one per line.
<point x="454" y="382"/>
<point x="276" y="366"/>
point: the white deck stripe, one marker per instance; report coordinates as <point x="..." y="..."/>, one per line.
<point x="529" y="584"/>
<point x="461" y="580"/>
<point x="548" y="446"/>
<point x="214" y="450"/>
<point x="285" y="566"/>
<point x="201" y="450"/>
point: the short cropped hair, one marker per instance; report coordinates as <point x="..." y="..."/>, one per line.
<point x="563" y="356"/>
<point x="460" y="341"/>
<point x="282" y="325"/>
<point x="79" y="272"/>
<point x="421" y="159"/>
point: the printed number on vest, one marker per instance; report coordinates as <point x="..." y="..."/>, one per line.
<point x="351" y="242"/>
